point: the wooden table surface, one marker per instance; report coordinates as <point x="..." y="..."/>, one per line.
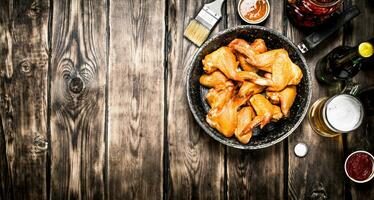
<point x="93" y="106"/>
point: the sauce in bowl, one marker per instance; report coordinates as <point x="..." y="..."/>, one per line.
<point x="253" y="11"/>
<point x="359" y="166"/>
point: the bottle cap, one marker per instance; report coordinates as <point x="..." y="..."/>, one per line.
<point x="365" y="49"/>
<point x="300" y="150"/>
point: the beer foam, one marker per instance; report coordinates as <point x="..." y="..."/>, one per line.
<point x="344" y="113"/>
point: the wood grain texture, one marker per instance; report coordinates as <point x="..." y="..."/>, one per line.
<point x="78" y="67"/>
<point x="196" y="160"/>
<point x="319" y="175"/>
<point x="23" y="99"/>
<point x="136" y="99"/>
<point x="256" y="174"/>
<point x="359" y="30"/>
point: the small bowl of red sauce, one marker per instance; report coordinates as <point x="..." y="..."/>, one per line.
<point x="254" y="11"/>
<point x="359" y="166"/>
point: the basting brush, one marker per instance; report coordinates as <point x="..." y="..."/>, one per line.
<point x="199" y="28"/>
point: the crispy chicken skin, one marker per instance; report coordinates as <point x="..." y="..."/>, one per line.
<point x="225" y="119"/>
<point x="285" y="98"/>
<point x="212" y="80"/>
<point x="245" y="116"/>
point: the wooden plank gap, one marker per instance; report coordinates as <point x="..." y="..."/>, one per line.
<point x="106" y="111"/>
<point x="165" y="157"/>
<point x="285" y="142"/>
<point x="49" y="81"/>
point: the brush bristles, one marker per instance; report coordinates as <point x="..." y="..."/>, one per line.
<point x="196" y="32"/>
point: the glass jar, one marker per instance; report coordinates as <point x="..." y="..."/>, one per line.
<point x="311" y="13"/>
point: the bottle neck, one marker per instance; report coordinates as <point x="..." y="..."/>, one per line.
<point x="352" y="55"/>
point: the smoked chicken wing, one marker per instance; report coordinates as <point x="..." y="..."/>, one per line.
<point x="249" y="88"/>
<point x="265" y="112"/>
<point x="258" y="46"/>
<point x="225" y="61"/>
<point x="218" y="96"/>
<point x="281" y="73"/>
<point x="261" y="60"/>
<point x="245" y="116"/>
<point x="284" y="71"/>
<point x="212" y="80"/>
<point x="225" y="119"/>
<point x="285" y="98"/>
<point x="222" y="59"/>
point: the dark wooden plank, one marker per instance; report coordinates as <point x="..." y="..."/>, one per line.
<point x="196" y="160"/>
<point x="320" y="174"/>
<point x="78" y="67"/>
<point x="359" y="30"/>
<point x="6" y="143"/>
<point x="23" y="98"/>
<point x="136" y="99"/>
<point x="6" y="185"/>
<point x="256" y="174"/>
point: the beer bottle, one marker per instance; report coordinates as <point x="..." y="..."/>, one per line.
<point x="343" y="62"/>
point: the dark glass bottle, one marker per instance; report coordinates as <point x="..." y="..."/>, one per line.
<point x="343" y="62"/>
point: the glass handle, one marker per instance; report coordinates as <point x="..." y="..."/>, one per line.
<point x="351" y="87"/>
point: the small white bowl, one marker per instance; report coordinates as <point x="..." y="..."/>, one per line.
<point x="372" y="171"/>
<point x="258" y="21"/>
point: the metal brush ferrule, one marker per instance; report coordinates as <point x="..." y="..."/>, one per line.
<point x="210" y="14"/>
<point x="206" y="18"/>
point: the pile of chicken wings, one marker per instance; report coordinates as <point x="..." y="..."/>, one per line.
<point x="249" y="86"/>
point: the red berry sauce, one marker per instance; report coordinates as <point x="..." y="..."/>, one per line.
<point x="359" y="166"/>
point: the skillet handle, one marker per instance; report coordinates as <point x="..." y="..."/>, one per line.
<point x="317" y="37"/>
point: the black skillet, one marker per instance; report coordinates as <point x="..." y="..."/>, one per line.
<point x="274" y="132"/>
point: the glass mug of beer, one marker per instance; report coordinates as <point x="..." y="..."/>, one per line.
<point x="331" y="116"/>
